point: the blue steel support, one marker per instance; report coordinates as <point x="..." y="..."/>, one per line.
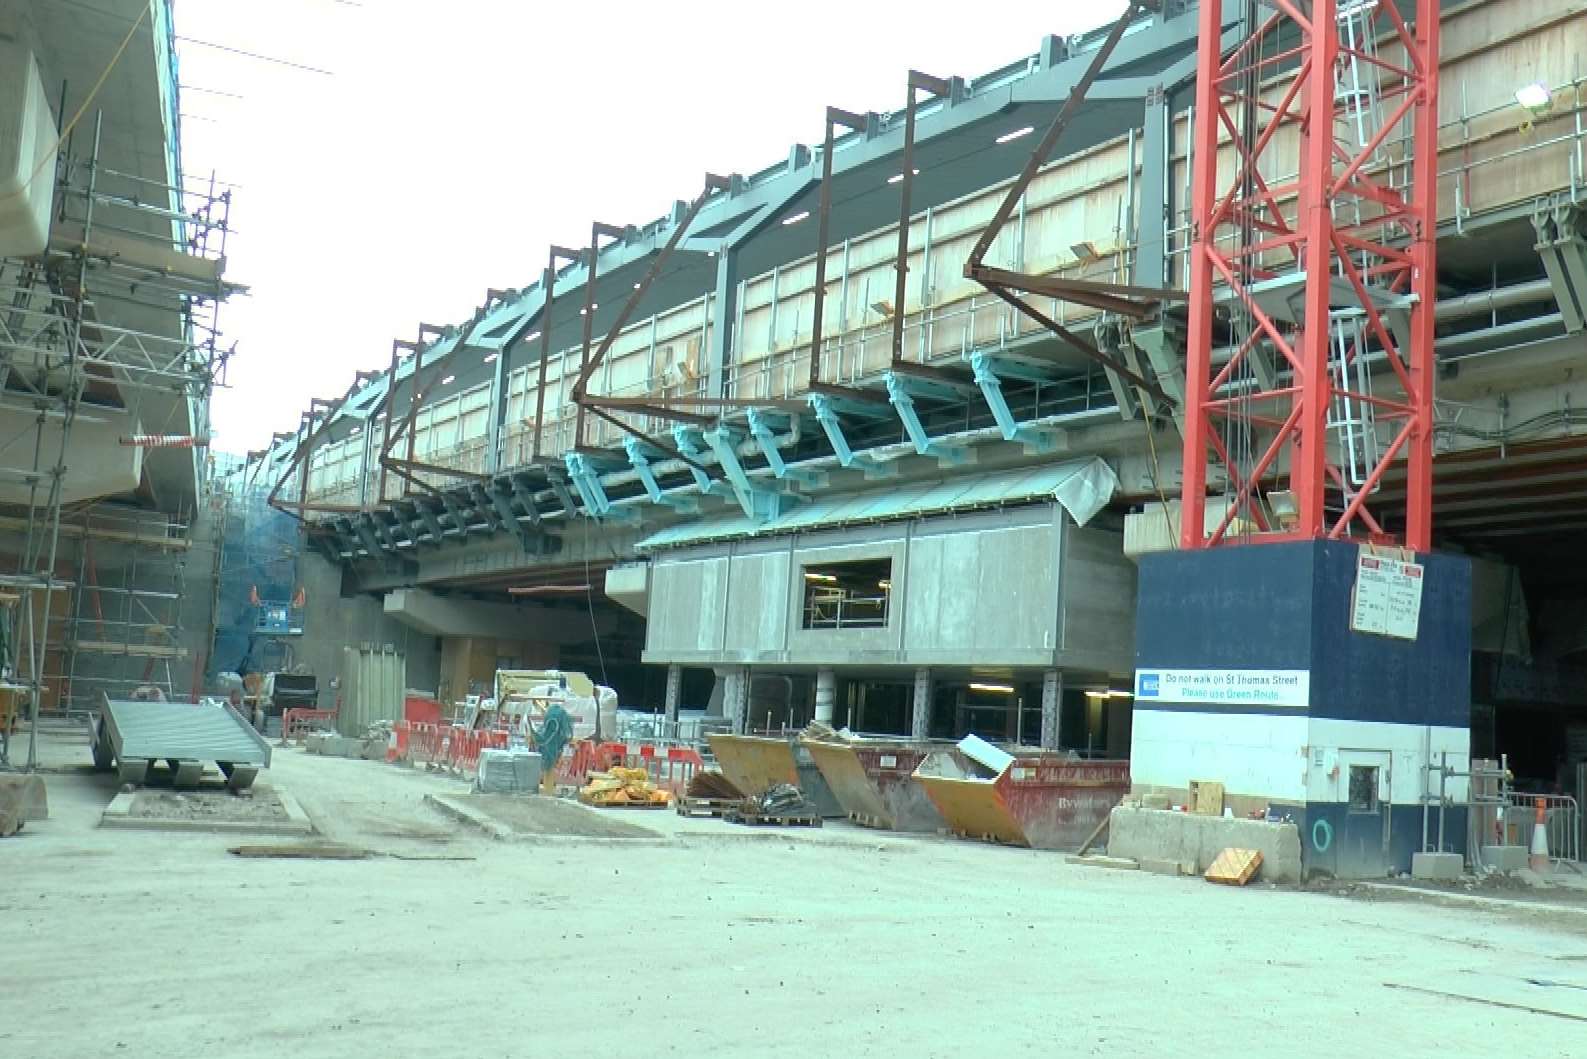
<point x="903" y="403"/>
<point x="765" y="433"/>
<point x="687" y="439"/>
<point x="758" y="503"/>
<point x="587" y="480"/>
<point x="827" y="415"/>
<point x="639" y="459"/>
<point x="987" y="377"/>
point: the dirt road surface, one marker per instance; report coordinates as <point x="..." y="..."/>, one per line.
<point x="715" y="940"/>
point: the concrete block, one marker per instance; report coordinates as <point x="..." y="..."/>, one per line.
<point x="186" y="773"/>
<point x="1505" y="858"/>
<point x="21" y="799"/>
<point x="1158" y="866"/>
<point x="374" y="749"/>
<point x="132" y="770"/>
<point x="1189" y="839"/>
<point x="1095" y="861"/>
<point x="31" y="799"/>
<point x="1442" y="866"/>
<point x="315" y="742"/>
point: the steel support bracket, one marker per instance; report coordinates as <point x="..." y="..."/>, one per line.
<point x="586" y="479"/>
<point x="688" y="440"/>
<point x="832" y="426"/>
<point x="1564" y="253"/>
<point x="988" y="376"/>
<point x="639" y="457"/>
<point x="763" y="427"/>
<point x="758" y="502"/>
<point x="900" y="394"/>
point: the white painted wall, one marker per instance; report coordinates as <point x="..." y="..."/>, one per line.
<point x="1291" y="758"/>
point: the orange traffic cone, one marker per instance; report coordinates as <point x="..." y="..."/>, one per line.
<point x="1538" y="861"/>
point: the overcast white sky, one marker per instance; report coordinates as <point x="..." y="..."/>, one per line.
<point x="453" y="142"/>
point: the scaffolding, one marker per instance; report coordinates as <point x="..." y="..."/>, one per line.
<point x="119" y="310"/>
<point x="126" y="624"/>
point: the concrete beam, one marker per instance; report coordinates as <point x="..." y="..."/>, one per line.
<point x="436" y="615"/>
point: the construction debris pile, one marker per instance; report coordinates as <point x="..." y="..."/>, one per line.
<point x="713" y="785"/>
<point x="623" y="787"/>
<point x="780" y="800"/>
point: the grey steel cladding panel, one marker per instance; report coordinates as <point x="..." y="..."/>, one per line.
<point x="157" y="730"/>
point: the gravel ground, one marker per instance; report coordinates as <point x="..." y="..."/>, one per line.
<point x="722" y="941"/>
<point x="261" y="807"/>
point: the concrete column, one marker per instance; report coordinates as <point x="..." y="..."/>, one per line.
<point x="920" y="717"/>
<point x="1156" y="193"/>
<point x="736" y="698"/>
<point x="1052" y="689"/>
<point x="720" y="353"/>
<point x="674" y="692"/>
<point x="826" y="695"/>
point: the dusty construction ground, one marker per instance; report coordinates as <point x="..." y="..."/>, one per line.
<point x="713" y="939"/>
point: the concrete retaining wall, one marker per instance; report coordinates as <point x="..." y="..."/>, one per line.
<point x="1159" y="834"/>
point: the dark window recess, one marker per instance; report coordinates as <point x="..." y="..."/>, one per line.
<point x="1363" y="788"/>
<point x="848" y="595"/>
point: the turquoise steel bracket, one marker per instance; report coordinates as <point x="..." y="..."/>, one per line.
<point x="587" y="481"/>
<point x="988" y="376"/>
<point x="687" y="439"/>
<point x="764" y="432"/>
<point x="832" y="426"/>
<point x="639" y="459"/>
<point x="758" y="502"/>
<point x="903" y="403"/>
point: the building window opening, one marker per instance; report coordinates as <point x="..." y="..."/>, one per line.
<point x="848" y="595"/>
<point x="1363" y="789"/>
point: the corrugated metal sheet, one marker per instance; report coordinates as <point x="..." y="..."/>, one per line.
<point x="184" y="731"/>
<point x="373" y="682"/>
<point x="1082" y="486"/>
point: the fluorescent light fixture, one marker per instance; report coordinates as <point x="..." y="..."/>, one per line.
<point x="1098" y="694"/>
<point x="796" y="218"/>
<point x="636" y="286"/>
<point x="449" y="380"/>
<point x="996" y="689"/>
<point x="490" y="357"/>
<point x="531" y="338"/>
<point x="887" y="585"/>
<point x="355" y="432"/>
<point x="824" y="578"/>
<point x="1535" y="97"/>
<point x="1010" y="137"/>
<point x="898" y="178"/>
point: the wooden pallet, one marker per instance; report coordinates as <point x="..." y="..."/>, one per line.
<point x="877" y="823"/>
<point x="757" y="819"/>
<point x="627" y="805"/>
<point x="717" y="807"/>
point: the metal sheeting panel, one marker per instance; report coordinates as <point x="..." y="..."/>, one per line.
<point x="184" y="731"/>
<point x="373" y="679"/>
<point x="1081" y="486"/>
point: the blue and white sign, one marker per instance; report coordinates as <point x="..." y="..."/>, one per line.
<point x="1284" y="688"/>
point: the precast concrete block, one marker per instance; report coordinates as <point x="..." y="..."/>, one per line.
<point x="1437" y="866"/>
<point x="1505" y="858"/>
<point x="133" y="770"/>
<point x="186" y="773"/>
<point x="1190" y="839"/>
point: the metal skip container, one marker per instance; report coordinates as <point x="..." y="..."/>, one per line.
<point x="754" y="763"/>
<point x="1040" y="800"/>
<point x="873" y="782"/>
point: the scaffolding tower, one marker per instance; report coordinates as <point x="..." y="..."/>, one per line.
<point x="121" y="304"/>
